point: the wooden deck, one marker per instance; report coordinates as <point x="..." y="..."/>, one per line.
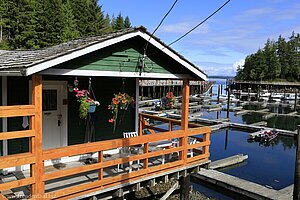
<point x="71" y="181"/>
<point x="54" y="185"/>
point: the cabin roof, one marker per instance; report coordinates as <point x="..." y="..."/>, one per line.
<point x="28" y="62"/>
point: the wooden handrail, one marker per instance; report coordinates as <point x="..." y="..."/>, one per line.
<point x="17" y="111"/>
<point x="108" y="144"/>
<point x="16" y="160"/>
<point x="17" y="183"/>
<point x="29" y="158"/>
<point x="16" y="134"/>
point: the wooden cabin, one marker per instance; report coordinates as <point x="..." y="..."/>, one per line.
<point x="43" y="139"/>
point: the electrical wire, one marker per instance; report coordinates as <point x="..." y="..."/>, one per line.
<point x="199" y="23"/>
<point x="146" y="46"/>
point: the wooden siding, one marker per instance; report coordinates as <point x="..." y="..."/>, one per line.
<point x="124" y="57"/>
<point x="104" y="88"/>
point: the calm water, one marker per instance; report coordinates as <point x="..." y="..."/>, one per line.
<point x="271" y="165"/>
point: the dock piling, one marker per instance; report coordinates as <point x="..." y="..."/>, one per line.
<point x="296" y="193"/>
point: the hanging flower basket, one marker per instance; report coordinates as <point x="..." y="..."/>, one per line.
<point x="120" y="101"/>
<point x="92" y="108"/>
<point x="87" y="104"/>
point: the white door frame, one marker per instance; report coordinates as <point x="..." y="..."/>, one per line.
<point x="64" y="108"/>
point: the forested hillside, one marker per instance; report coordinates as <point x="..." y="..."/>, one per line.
<point x="29" y="24"/>
<point x="278" y="60"/>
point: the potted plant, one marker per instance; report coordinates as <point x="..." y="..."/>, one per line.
<point x="120" y="101"/>
<point x="86" y="103"/>
<point x="170" y="100"/>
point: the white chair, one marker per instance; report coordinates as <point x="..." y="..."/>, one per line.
<point x="193" y="140"/>
<point x="131" y="149"/>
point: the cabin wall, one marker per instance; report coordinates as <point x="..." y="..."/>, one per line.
<point x="104" y="89"/>
<point x="17" y="94"/>
<point x="125" y="57"/>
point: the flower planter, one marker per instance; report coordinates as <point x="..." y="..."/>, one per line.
<point x="92" y="108"/>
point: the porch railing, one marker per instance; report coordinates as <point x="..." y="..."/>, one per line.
<point x="36" y="157"/>
<point x="100" y="147"/>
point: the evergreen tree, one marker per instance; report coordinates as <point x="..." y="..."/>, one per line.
<point x="3" y="23"/>
<point x="279" y="59"/>
<point x="26" y="24"/>
<point x="21" y="23"/>
<point x="96" y="19"/>
<point x="107" y="25"/>
<point x="272" y="61"/>
<point x="119" y="23"/>
<point x="282" y="52"/>
<point x="69" y="31"/>
<point x="127" y="23"/>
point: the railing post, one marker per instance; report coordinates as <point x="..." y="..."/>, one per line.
<point x="146" y="161"/>
<point x="184" y="119"/>
<point x="100" y="160"/>
<point x="170" y="125"/>
<point x="141" y="124"/>
<point x="37" y="171"/>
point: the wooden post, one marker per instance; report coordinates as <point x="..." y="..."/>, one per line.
<point x="146" y="161"/>
<point x="218" y="93"/>
<point x="185" y="118"/>
<point x="295" y="106"/>
<point x="296" y="193"/>
<point x="38" y="168"/>
<point x="141" y="124"/>
<point x="100" y="160"/>
<point x="228" y="101"/>
<point x="184" y="187"/>
<point x="221" y="88"/>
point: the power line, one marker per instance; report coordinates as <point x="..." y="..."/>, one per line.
<point x="146" y="46"/>
<point x="199" y="23"/>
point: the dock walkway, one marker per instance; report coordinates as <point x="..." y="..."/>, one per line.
<point x="242" y="187"/>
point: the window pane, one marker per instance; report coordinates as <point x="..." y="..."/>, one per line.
<point x="49" y="100"/>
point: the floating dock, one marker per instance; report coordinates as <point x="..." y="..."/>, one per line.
<point x="242" y="187"/>
<point x="232" y="160"/>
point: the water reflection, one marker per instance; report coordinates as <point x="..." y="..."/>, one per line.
<point x="271" y="165"/>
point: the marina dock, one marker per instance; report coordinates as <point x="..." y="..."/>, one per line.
<point x="242" y="187"/>
<point x="232" y="160"/>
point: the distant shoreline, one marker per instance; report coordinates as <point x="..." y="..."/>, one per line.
<point x="221" y="77"/>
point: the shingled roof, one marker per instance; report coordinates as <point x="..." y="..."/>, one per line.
<point x="17" y="62"/>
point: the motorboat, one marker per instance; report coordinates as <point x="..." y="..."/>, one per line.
<point x="277" y="97"/>
<point x="264" y="95"/>
<point x="265" y="135"/>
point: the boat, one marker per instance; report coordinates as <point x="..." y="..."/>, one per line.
<point x="263" y="136"/>
<point x="277" y="97"/>
<point x="264" y="96"/>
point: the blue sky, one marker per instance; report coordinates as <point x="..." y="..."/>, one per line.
<point x="223" y="42"/>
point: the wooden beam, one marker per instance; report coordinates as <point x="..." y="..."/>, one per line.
<point x="16" y="111"/>
<point x="185" y="104"/>
<point x="37" y="89"/>
<point x="2" y="196"/>
<point x="100" y="160"/>
<point x="16" y="160"/>
<point x="17" y="183"/>
<point x="170" y="191"/>
<point x="185" y="119"/>
<point x="16" y="134"/>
